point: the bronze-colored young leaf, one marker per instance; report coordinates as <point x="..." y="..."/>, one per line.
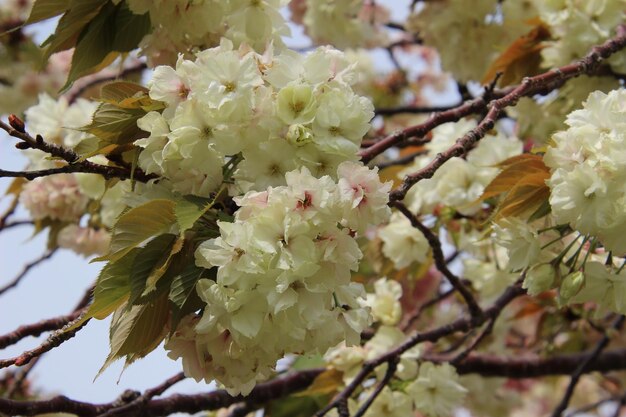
<point x="327" y="382"/>
<point x="115" y="125"/>
<point x="117" y="91"/>
<point x="521" y="185"/>
<point x="521" y="59"/>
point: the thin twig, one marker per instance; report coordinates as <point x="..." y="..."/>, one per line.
<point x="18" y="382"/>
<point x="17" y="223"/>
<point x="390" y="111"/>
<point x="416" y="315"/>
<point x="620" y="404"/>
<point x="440" y="260"/>
<point x="486" y="331"/>
<point x="10" y="211"/>
<point x="392" y="365"/>
<point x="460" y="325"/>
<point x="584" y="365"/>
<point x="405" y="160"/>
<point x="36" y="329"/>
<point x="469" y="107"/>
<point x="589" y="407"/>
<point x="14" y="283"/>
<point x="54" y="340"/>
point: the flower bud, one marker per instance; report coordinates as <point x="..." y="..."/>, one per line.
<point x="571" y="285"/>
<point x="299" y="135"/>
<point x="17" y="123"/>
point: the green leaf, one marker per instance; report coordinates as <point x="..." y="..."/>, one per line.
<point x="45" y="9"/>
<point x="118" y="91"/>
<point x="53" y="234"/>
<point x="189" y="209"/>
<point x="139" y="224"/>
<point x="115" y="125"/>
<point x="115" y="30"/>
<point x="164" y="264"/>
<point x="138" y="331"/>
<point x="182" y="295"/>
<point x="78" y="15"/>
<point x="150" y="257"/>
<point x="93" y="46"/>
<point x="130" y="28"/>
<point x="112" y="288"/>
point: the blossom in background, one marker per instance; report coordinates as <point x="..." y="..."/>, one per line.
<point x="385" y="303"/>
<point x="342" y="23"/>
<point x="459" y="182"/>
<point x="437" y="391"/>
<point x="55" y="197"/>
<point x="85" y="241"/>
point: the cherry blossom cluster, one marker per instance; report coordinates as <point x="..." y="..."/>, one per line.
<point x="576" y="25"/>
<point x="283" y="280"/>
<point x="588" y="166"/>
<point x="343" y="23"/>
<point x="273" y="113"/>
<point x="183" y="25"/>
<point x="466" y="34"/>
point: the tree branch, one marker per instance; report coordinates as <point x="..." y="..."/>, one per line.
<point x="405" y="160"/>
<point x="440" y="260"/>
<point x="469" y="107"/>
<point x="426" y="305"/>
<point x="392" y="365"/>
<point x="277" y="388"/>
<point x="75" y="164"/>
<point x="17" y="223"/>
<point x="14" y="283"/>
<point x="36" y="329"/>
<point x="530" y="86"/>
<point x="55" y="339"/>
<point x="484" y="364"/>
<point x="583" y="367"/>
<point x="390" y="111"/>
<point x="459" y="325"/>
